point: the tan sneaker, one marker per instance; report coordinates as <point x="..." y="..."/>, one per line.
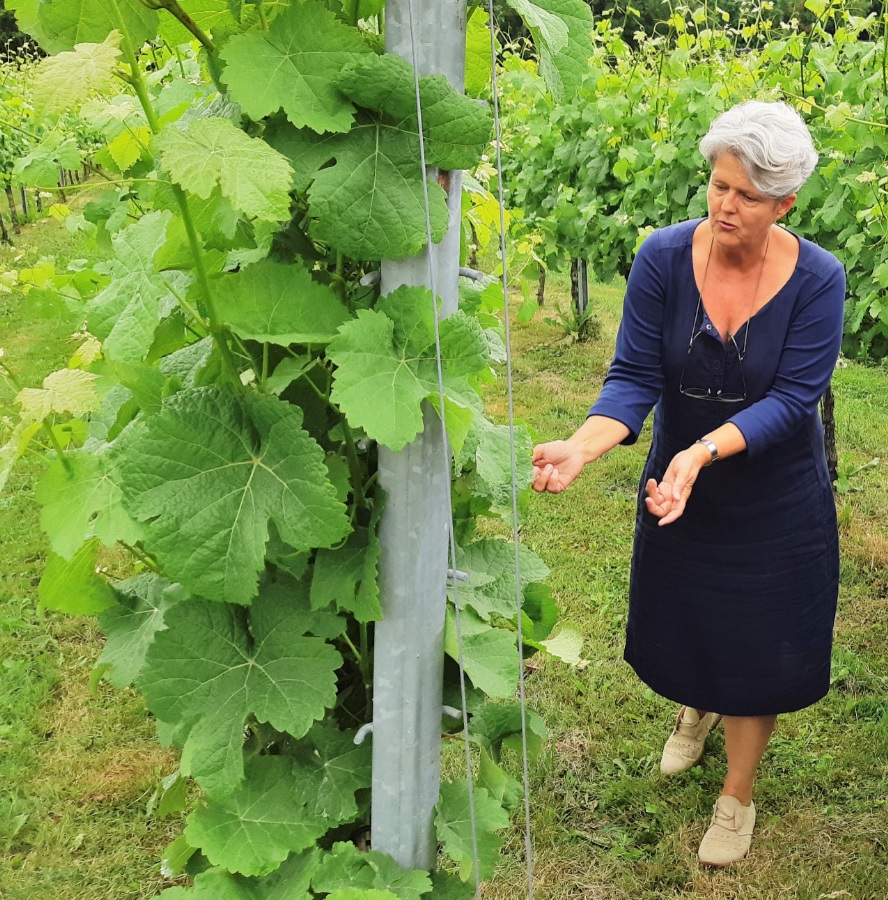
<point x="730" y="834"/>
<point x="685" y="745"/>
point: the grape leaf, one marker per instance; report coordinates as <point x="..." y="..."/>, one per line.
<point x="81" y="501"/>
<point x="130" y="626"/>
<point x="446" y="886"/>
<point x="333" y="768"/>
<point x="65" y="391"/>
<point x="370" y="203"/>
<point x="208" y="672"/>
<point x="253" y="830"/>
<point x="493" y="462"/>
<point x="66" y="23"/>
<point x="126" y="313"/>
<point x="375" y="384"/>
<point x="489" y="657"/>
<point x="453" y="820"/>
<point x="361" y="894"/>
<point x="208" y="473"/>
<point x="346" y="577"/>
<point x="208" y="14"/>
<point x="73" y="586"/>
<point x="280" y="304"/>
<point x="478" y="59"/>
<point x="505" y="789"/>
<point x="386" y="363"/>
<point x="547" y="28"/>
<point x="217" y="884"/>
<point x="63" y="81"/>
<point x="278" y="69"/>
<point x="562" y="33"/>
<point x="347" y="867"/>
<point x="456" y="128"/>
<point x="249" y="173"/>
<point x="490" y="564"/>
<point x="494" y="723"/>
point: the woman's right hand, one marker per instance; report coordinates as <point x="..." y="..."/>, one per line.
<point x="555" y="466"/>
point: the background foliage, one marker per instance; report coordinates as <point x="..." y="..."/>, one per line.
<point x="597" y="171"/>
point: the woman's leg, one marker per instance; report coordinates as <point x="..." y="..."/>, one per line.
<point x="746" y="738"/>
<point x="733" y="818"/>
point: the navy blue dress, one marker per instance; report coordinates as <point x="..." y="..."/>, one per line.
<point x="732" y="606"/>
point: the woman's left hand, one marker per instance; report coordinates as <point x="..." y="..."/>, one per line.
<point x="667" y="499"/>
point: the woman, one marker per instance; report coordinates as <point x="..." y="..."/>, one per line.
<point x="731" y="327"/>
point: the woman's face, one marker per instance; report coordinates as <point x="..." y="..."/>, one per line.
<point x="739" y="214"/>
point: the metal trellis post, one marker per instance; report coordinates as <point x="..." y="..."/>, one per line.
<point x="409" y="641"/>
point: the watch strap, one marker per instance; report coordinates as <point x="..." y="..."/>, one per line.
<point x="710" y="447"/>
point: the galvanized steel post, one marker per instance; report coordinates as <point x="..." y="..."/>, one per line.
<point x="409" y="641"/>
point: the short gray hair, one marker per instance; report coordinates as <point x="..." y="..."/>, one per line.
<point x="771" y="141"/>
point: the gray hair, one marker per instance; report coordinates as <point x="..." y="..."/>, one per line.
<point x="771" y="141"/>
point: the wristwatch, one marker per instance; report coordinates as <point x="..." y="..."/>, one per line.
<point x="710" y="447"/>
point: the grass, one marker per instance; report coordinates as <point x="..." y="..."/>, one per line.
<point x="77" y="767"/>
<point x="606" y="823"/>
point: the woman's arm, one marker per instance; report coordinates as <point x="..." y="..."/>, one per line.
<point x="557" y="464"/>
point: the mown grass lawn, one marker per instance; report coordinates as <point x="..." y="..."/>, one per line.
<point x="77" y="765"/>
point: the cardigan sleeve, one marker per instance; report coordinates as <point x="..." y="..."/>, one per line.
<point x="634" y="380"/>
<point x="809" y="356"/>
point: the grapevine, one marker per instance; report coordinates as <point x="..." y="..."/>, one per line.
<point x="221" y="419"/>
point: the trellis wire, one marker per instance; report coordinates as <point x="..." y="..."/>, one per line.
<point x="494" y="87"/>
<point x="451" y="538"/>
<point x="513" y="462"/>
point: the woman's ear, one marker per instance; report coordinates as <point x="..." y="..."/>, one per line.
<point x="785" y="205"/>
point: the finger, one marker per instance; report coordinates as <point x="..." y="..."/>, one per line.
<point x="673" y="514"/>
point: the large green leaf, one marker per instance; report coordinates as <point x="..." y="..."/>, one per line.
<point x="68" y="79"/>
<point x="455" y="128"/>
<point x="346" y="577"/>
<point x="489" y="655"/>
<point x="562" y="32"/>
<point x="208" y="473"/>
<point x="125" y="315"/>
<point x="370" y="204"/>
<point x="70" y="391"/>
<point x="280" y="304"/>
<point x="498" y="724"/>
<point x="347" y="867"/>
<point x="253" y="176"/>
<point x="453" y="821"/>
<point x="255" y="829"/>
<point x="386" y="363"/>
<point x="73" y="586"/>
<point x="207" y="14"/>
<point x="289" y="882"/>
<point x="81" y="500"/>
<point x="333" y="768"/>
<point x="215" y="665"/>
<point x="66" y="23"/>
<point x="130" y="626"/>
<point x="492" y="586"/>
<point x="478" y="58"/>
<point x="284" y="68"/>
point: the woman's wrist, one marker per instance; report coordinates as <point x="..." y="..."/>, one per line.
<point x="706" y="451"/>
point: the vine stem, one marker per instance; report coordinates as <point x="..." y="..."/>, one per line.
<point x="823" y="109"/>
<point x="142" y="556"/>
<point x="57" y="446"/>
<point x="141" y="89"/>
<point x="55" y="443"/>
<point x="354" y="464"/>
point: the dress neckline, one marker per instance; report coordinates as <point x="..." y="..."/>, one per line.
<point x="768" y="303"/>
